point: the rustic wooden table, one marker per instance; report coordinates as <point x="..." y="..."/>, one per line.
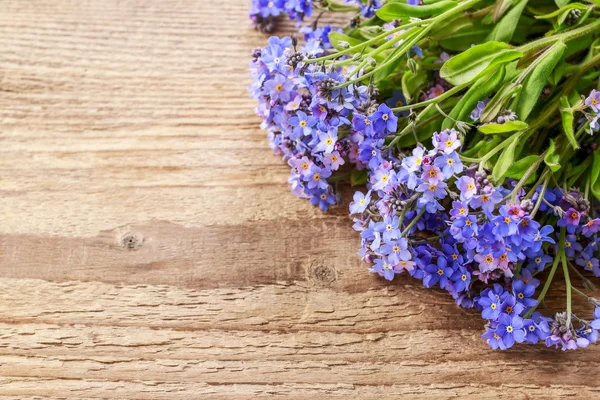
<point x="150" y="248"/>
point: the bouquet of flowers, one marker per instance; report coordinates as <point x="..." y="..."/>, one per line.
<point x="469" y="128"/>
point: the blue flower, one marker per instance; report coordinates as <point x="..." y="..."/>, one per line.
<point x="487" y="201"/>
<point x="450" y="164"/>
<point x="510" y="328"/>
<point x="588" y="262"/>
<point x="396" y="250"/>
<point x="384" y="121"/>
<point x="490" y="301"/>
<point x="384" y="268"/>
<point x="438" y="272"/>
<point x="360" y="203"/>
<point x="323" y="199"/>
<point x="523" y="293"/>
<point x="318" y="178"/>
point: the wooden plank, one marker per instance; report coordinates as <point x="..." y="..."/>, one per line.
<point x="150" y="249"/>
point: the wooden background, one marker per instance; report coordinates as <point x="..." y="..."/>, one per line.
<point x="150" y="248"/>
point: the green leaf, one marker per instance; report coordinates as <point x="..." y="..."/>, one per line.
<point x="469" y="64"/>
<point x="500" y="8"/>
<point x="393" y="11"/>
<point x="518" y="169"/>
<point x="536" y="81"/>
<point x="510" y="126"/>
<point x="595" y="176"/>
<point x="567" y="117"/>
<point x="504" y="30"/>
<point x="505" y="160"/>
<point x="561" y="3"/>
<point x="412" y="83"/>
<point x="460" y="35"/>
<point x="479" y="91"/>
<point x="336" y="37"/>
<point x="552" y="158"/>
<point x="358" y="177"/>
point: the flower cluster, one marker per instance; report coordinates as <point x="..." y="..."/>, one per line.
<point x="306" y="115"/>
<point x="439" y="211"/>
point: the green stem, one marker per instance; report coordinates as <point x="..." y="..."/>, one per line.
<point x="566" y="36"/>
<point x="413" y="222"/>
<point x="568" y="283"/>
<point x="359" y="47"/>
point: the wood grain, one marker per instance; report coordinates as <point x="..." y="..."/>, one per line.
<point x="150" y="248"/>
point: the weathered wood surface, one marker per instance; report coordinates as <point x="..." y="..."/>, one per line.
<point x="150" y="248"/>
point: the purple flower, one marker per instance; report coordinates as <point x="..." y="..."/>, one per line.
<point x="327" y="141"/>
<point x="591" y="227"/>
<point x="570" y="219"/>
<point x="333" y="160"/>
<point x="279" y="88"/>
<point x="459" y="209"/>
<point x="446" y="141"/>
<point x="360" y="203"/>
<point x="382" y="177"/>
<point x="384" y="268"/>
<point x="476" y="113"/>
<point x="303" y="123"/>
<point x="432" y="174"/>
<point x="467" y="187"/>
<point x="431" y="191"/>
<point x="593" y="100"/>
<point x="450" y="164"/>
<point x="487" y="201"/>
<point x="318" y="178"/>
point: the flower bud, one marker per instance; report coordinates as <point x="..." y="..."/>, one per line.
<point x="371" y="62"/>
<point x="343" y="44"/>
<point x="372" y="30"/>
<point x="593" y="301"/>
<point x="589" y="285"/>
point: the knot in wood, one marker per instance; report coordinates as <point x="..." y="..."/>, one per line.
<point x="131" y="240"/>
<point x="323" y="275"/>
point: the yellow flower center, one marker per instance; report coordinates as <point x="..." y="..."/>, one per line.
<point x="279" y="88"/>
<point x="317" y="176"/>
